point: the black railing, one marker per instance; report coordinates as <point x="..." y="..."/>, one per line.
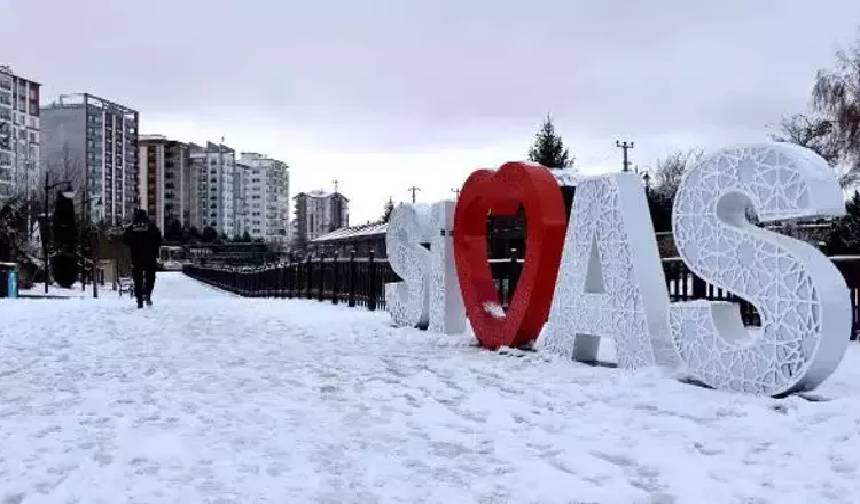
<point x="361" y="282"/>
<point x="355" y="281"/>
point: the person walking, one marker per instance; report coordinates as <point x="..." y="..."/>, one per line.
<point x="144" y="240"/>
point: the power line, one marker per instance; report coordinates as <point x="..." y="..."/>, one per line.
<point x="625" y="146"/>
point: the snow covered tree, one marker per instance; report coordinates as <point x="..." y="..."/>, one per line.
<point x="832" y="128"/>
<point x="549" y="149"/>
<point x="837" y="96"/>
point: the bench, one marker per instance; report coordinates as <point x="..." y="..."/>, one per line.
<point x="125" y="284"/>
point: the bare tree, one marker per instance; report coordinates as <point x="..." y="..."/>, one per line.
<point x="670" y="169"/>
<point x="837" y="95"/>
<point x="832" y="129"/>
<point x="820" y="135"/>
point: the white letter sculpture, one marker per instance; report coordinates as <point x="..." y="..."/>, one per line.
<point x="408" y="301"/>
<point x="611" y="281"/>
<point x="801" y="297"/>
<point x="447" y="312"/>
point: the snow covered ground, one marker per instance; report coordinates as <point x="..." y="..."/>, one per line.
<point x="212" y="398"/>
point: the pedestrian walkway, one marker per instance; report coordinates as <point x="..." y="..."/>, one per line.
<point x="209" y="397"/>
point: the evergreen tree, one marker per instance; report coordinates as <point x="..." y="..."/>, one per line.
<point x="845" y="236"/>
<point x="246" y="237"/>
<point x="386" y="214"/>
<point x="173" y="231"/>
<point x="209" y="235"/>
<point x="65" y="263"/>
<point x="548" y="149"/>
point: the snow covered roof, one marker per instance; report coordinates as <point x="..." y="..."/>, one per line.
<point x="375" y="228"/>
<point x="564" y="177"/>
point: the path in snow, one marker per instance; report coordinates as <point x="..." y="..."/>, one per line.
<point x="212" y="398"/>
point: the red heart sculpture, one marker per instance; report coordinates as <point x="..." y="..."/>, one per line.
<point x="502" y="192"/>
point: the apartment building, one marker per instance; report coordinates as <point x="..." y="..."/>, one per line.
<point x="265" y="197"/>
<point x="165" y="181"/>
<point x="19" y="134"/>
<point x="317" y="213"/>
<point x="92" y="143"/>
<point x="216" y="188"/>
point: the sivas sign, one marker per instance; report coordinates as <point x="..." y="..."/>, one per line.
<point x="602" y="277"/>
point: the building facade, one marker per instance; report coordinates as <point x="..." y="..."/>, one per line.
<point x="165" y="181"/>
<point x="19" y="134"/>
<point x="265" y="200"/>
<point x="93" y="144"/>
<point x="317" y="213"/>
<point x="216" y="188"/>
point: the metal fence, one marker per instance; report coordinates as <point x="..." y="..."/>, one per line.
<point x="360" y="282"/>
<point x="356" y="281"/>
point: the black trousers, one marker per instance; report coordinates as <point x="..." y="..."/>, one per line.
<point x="144" y="281"/>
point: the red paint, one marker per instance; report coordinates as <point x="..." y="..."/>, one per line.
<point x="502" y="192"/>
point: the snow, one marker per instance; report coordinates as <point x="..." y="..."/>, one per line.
<point x="208" y="397"/>
<point x="75" y="291"/>
<point x="495" y="310"/>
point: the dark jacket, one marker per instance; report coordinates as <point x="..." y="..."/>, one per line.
<point x="144" y="240"/>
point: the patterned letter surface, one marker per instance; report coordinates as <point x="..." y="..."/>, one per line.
<point x="801" y="297"/>
<point x="611" y="280"/>
<point x="408" y="301"/>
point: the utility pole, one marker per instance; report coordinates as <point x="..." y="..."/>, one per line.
<point x="336" y="182"/>
<point x="625" y="146"/>
<point x="413" y="190"/>
<point x="456" y="193"/>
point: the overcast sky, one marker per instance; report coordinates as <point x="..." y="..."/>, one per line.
<point x="386" y="94"/>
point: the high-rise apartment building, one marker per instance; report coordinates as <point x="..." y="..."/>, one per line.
<point x="19" y="134"/>
<point x="265" y="197"/>
<point x="165" y="181"/>
<point x="93" y="143"/>
<point x="318" y="212"/>
<point x="216" y="188"/>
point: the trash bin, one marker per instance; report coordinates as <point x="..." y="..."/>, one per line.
<point x="8" y="280"/>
